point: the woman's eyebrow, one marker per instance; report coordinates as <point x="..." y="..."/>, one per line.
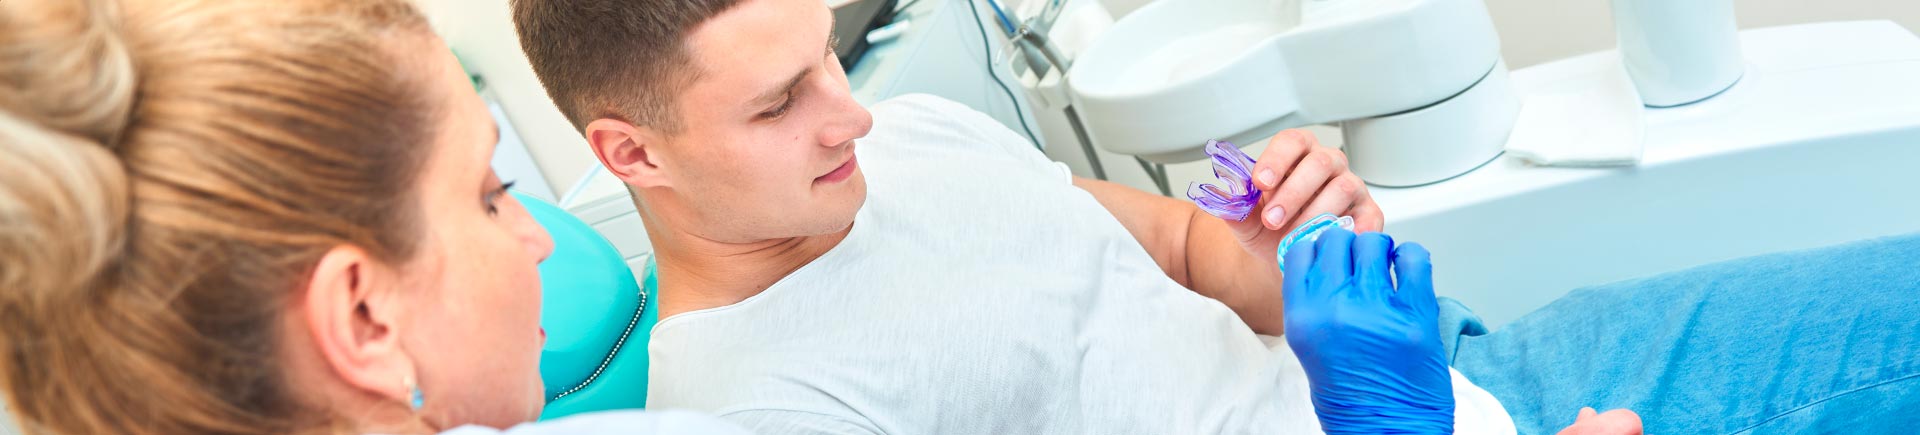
<point x="487" y="169"/>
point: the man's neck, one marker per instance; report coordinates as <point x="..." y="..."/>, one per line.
<point x="696" y="273"/>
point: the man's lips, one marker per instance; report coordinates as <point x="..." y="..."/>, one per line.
<point x="841" y="173"/>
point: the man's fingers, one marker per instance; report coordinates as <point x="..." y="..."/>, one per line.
<point x="1306" y="179"/>
<point x="1621" y="421"/>
<point x="1283" y="150"/>
<point x="1367" y="216"/>
<point x="1371" y="254"/>
<point x="1337" y="197"/>
<point x="1615" y="422"/>
<point x="1277" y="163"/>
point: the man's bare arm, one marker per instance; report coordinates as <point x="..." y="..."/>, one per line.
<point x="1197" y="250"/>
<point x="1234" y="262"/>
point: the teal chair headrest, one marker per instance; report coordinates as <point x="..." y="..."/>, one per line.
<point x="597" y="319"/>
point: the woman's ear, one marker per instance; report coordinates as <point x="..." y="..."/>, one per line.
<point x="630" y="152"/>
<point x="351" y="310"/>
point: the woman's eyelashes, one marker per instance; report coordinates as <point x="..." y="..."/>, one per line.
<point x="492" y="198"/>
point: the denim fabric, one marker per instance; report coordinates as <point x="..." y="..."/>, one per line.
<point x="1818" y="341"/>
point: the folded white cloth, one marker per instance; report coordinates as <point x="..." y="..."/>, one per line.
<point x="1596" y="126"/>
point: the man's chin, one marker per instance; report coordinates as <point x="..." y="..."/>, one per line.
<point x="844" y="208"/>
<point x="840" y="223"/>
<point x="858" y="189"/>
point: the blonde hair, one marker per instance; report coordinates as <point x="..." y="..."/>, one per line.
<point x="172" y="171"/>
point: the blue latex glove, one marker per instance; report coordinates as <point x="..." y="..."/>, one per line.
<point x="1372" y="354"/>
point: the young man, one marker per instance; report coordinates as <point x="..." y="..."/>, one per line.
<point x="918" y="268"/>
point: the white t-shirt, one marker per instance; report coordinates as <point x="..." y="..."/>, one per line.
<point x="616" y="422"/>
<point x="980" y="292"/>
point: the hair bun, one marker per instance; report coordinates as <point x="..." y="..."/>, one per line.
<point x="63" y="207"/>
<point x="66" y="67"/>
<point x="66" y="100"/>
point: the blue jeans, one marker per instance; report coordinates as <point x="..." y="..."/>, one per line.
<point x="1820" y="341"/>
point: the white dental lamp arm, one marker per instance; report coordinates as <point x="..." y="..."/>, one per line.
<point x="1175" y="73"/>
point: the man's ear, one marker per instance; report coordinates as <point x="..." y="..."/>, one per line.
<point x="630" y="152"/>
<point x="351" y="310"/>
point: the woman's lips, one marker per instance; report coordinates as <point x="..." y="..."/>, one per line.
<point x="840" y="174"/>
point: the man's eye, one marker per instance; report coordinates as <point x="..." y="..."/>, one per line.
<point x="778" y="111"/>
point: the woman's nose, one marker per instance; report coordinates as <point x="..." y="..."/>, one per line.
<point x="533" y="237"/>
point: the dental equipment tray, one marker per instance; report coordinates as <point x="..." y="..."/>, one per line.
<point x="851" y="22"/>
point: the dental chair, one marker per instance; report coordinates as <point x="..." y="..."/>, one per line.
<point x="597" y="319"/>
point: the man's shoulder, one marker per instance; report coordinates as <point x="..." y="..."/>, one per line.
<point x="924" y="118"/>
<point x="923" y="122"/>
<point x="920" y="103"/>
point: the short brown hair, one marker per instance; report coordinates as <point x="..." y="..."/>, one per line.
<point x="172" y="171"/>
<point x="620" y="59"/>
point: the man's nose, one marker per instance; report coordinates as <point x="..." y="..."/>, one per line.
<point x="849" y="122"/>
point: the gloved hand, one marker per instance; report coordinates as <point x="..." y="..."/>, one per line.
<point x="1372" y="354"/>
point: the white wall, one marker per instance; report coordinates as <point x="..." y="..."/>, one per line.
<point x="481" y="32"/>
<point x="6" y="422"/>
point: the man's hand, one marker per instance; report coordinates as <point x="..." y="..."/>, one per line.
<point x="1615" y="422"/>
<point x="1299" y="179"/>
<point x="1371" y="348"/>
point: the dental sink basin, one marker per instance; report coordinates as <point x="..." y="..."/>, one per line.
<point x="1203" y="49"/>
<point x="1175" y="73"/>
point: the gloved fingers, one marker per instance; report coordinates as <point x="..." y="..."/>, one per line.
<point x="1334" y="261"/>
<point x="1413" y="267"/>
<point x="1299" y="260"/>
<point x="1371" y="254"/>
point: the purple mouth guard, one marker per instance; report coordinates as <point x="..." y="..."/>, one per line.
<point x="1234" y="197"/>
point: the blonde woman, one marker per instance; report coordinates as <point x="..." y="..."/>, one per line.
<point x="244" y="217"/>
